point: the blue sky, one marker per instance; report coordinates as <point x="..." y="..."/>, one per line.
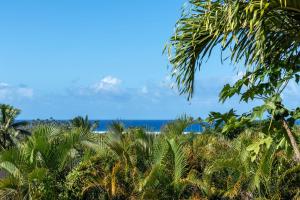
<point x="63" y="58"/>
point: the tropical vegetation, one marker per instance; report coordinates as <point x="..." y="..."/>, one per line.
<point x="10" y="131"/>
<point x="72" y="162"/>
<point x="254" y="155"/>
<point x="261" y="33"/>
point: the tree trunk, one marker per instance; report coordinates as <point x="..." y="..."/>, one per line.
<point x="292" y="140"/>
<point x="3" y="140"/>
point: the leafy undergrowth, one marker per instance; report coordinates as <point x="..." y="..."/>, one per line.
<point x="74" y="163"/>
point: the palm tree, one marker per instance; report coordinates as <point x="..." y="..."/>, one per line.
<point x="10" y="130"/>
<point x="170" y="176"/>
<point x="259" y="31"/>
<point x="42" y="161"/>
<point x="134" y="164"/>
<point x="121" y="159"/>
<point x="253" y="166"/>
<point x="84" y="123"/>
<point x="179" y="125"/>
<point x="262" y="33"/>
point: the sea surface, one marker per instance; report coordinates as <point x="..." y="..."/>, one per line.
<point x="149" y="125"/>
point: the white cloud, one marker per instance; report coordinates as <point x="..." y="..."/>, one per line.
<point x="3" y="85"/>
<point x="25" y="92"/>
<point x="145" y="90"/>
<point x="9" y="92"/>
<point x="5" y="91"/>
<point x="108" y="83"/>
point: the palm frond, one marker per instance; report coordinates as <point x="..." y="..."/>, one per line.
<point x="256" y="32"/>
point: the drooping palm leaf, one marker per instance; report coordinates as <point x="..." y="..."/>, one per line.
<point x="256" y="31"/>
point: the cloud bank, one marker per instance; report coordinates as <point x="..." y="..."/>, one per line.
<point x="108" y="83"/>
<point x="110" y="98"/>
<point x="10" y="92"/>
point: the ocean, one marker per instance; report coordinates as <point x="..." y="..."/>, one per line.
<point x="149" y="125"/>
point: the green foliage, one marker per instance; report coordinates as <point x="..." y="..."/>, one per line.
<point x="263" y="34"/>
<point x="230" y="124"/>
<point x="235" y="157"/>
<point x="89" y="179"/>
<point x="10" y="131"/>
<point x="84" y="123"/>
<point x="259" y="32"/>
<point x="36" y="169"/>
<point x="56" y="163"/>
<point x="178" y="126"/>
